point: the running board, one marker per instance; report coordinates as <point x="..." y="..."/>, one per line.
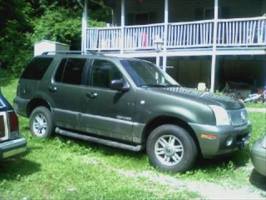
<point x="98" y="140"/>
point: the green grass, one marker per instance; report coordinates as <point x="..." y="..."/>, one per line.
<point x="63" y="168"/>
<point x="256" y="105"/>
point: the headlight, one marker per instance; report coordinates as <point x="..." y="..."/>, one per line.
<point x="264" y="143"/>
<point x="221" y="115"/>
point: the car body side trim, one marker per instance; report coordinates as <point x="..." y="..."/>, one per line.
<point x="100" y="117"/>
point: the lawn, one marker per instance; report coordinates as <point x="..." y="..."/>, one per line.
<point x="256" y="105"/>
<point x="63" y="168"/>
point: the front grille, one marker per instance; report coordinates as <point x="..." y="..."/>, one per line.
<point x="2" y="126"/>
<point x="239" y="117"/>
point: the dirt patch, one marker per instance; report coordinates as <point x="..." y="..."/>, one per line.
<point x="204" y="189"/>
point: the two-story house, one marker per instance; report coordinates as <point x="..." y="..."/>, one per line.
<point x="211" y="41"/>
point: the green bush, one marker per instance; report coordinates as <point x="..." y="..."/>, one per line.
<point x="25" y="22"/>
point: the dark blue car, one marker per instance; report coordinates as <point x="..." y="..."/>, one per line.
<point x="11" y="143"/>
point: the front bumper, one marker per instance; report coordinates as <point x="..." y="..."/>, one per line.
<point x="12" y="148"/>
<point x="258" y="157"/>
<point x="213" y="139"/>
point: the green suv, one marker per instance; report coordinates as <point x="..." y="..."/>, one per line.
<point x="129" y="104"/>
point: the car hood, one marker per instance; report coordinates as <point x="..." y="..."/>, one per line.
<point x="4" y="105"/>
<point x="202" y="97"/>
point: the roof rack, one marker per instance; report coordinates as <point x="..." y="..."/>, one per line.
<point x="72" y="52"/>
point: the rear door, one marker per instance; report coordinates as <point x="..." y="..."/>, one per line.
<point x="65" y="91"/>
<point x="107" y="112"/>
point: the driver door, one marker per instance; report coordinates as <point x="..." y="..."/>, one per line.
<point x="107" y="112"/>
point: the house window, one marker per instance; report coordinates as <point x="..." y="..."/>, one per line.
<point x="141" y="18"/>
<point x="208" y="13"/>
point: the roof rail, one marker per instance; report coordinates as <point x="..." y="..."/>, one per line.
<point x="71" y="52"/>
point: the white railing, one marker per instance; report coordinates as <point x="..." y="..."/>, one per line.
<point x="242" y="32"/>
<point x="142" y="37"/>
<point x="192" y="34"/>
<point x="104" y="38"/>
<point x="198" y="34"/>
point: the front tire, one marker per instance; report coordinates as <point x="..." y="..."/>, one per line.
<point x="170" y="148"/>
<point x="41" y="123"/>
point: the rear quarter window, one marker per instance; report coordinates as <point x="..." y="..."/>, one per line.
<point x="37" y="68"/>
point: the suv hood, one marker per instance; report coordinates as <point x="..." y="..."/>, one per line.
<point x="202" y="97"/>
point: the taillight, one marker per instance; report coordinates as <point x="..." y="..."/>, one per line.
<point x="13" y="122"/>
<point x="2" y="126"/>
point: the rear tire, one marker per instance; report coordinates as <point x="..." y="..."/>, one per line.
<point x="41" y="122"/>
<point x="170" y="148"/>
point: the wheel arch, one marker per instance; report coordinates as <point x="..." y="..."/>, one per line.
<point x="162" y="120"/>
<point x="36" y="102"/>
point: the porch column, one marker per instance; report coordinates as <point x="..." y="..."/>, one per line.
<point x="123" y="19"/>
<point x="264" y="72"/>
<point x="214" y="49"/>
<point x="166" y="20"/>
<point x="84" y="27"/>
<point x="158" y="60"/>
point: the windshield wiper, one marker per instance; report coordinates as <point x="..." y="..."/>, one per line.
<point x="172" y="85"/>
<point x="159" y="85"/>
<point x="152" y="85"/>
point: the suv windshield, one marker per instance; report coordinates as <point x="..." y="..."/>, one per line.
<point x="147" y="74"/>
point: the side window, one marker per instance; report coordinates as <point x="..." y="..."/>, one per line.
<point x="103" y="72"/>
<point x="37" y="68"/>
<point x="70" y="71"/>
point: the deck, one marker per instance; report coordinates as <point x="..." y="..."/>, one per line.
<point x="240" y="36"/>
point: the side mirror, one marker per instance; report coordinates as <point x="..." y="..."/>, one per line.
<point x="119" y="85"/>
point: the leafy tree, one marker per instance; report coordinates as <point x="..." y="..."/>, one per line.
<point x="23" y="22"/>
<point x="15" y="28"/>
<point x="60" y="25"/>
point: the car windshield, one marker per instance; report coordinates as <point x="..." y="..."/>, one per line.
<point x="146" y="74"/>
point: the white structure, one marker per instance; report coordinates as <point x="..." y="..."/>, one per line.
<point x="47" y="45"/>
<point x="195" y="28"/>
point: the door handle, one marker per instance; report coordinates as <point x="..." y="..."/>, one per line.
<point x="92" y="95"/>
<point x="52" y="89"/>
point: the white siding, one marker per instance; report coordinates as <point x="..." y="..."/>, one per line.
<point x="46" y="45"/>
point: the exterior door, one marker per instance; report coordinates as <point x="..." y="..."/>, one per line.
<point x="65" y="92"/>
<point x="107" y="112"/>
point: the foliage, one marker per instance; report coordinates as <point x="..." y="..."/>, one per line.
<point x="24" y="22"/>
<point x="59" y="25"/>
<point x="14" y="33"/>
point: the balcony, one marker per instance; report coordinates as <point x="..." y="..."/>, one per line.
<point x="240" y="33"/>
